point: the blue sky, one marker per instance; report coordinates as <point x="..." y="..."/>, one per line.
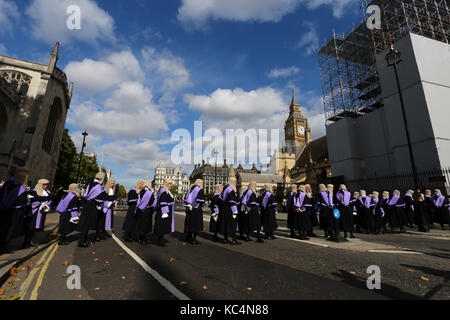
<point x="142" y="69"/>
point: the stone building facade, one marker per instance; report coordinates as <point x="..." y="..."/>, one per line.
<point x="34" y="101"/>
<point x="180" y="179"/>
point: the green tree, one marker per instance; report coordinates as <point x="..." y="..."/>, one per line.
<point x="66" y="172"/>
<point x="122" y="193"/>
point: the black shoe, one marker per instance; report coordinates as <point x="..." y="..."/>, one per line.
<point x="83" y="245"/>
<point x="128" y="240"/>
<point x="103" y="237"/>
<point x="305" y="238"/>
<point x="242" y="238"/>
<point x="273" y="237"/>
<point x="140" y="241"/>
<point x="97" y="239"/>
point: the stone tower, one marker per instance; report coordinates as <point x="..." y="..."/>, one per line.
<point x="34" y="100"/>
<point x="296" y="130"/>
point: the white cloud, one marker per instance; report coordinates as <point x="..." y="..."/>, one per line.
<point x="9" y="13"/>
<point x="197" y="12"/>
<point x="94" y="76"/>
<point x="143" y="151"/>
<point x="309" y="40"/>
<point x="137" y="172"/>
<point x="224" y="108"/>
<point x="49" y="19"/>
<point x="283" y="72"/>
<point x="169" y="68"/>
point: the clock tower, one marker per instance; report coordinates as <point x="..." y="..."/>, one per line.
<point x="296" y="130"/>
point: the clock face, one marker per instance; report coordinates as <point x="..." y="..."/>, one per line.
<point x="301" y="130"/>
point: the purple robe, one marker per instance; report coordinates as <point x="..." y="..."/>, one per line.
<point x="393" y="200"/>
<point x="165" y="208"/>
<point x="439" y="201"/>
<point x="224" y="197"/>
<point x="191" y="198"/>
<point x="344" y="198"/>
<point x="62" y="206"/>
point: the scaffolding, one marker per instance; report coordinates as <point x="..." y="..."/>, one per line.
<point x="347" y="62"/>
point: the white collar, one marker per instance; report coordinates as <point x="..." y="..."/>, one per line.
<point x="44" y="193"/>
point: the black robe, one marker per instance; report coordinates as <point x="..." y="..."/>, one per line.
<point x="253" y="216"/>
<point x="144" y="218"/>
<point x="164" y="225"/>
<point x="229" y="202"/>
<point x="310" y="204"/>
<point x="91" y="217"/>
<point x="421" y="216"/>
<point x="65" y="226"/>
<point x="194" y="219"/>
<point x="31" y="219"/>
<point x="215" y="203"/>
<point x="346" y="220"/>
<point x="269" y="220"/>
<point x="409" y="211"/>
<point x="292" y="216"/>
<point x="130" y="219"/>
<point x="12" y="217"/>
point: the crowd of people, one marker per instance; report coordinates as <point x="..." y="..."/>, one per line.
<point x="235" y="215"/>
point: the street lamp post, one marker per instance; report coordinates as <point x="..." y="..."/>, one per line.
<point x="393" y="58"/>
<point x="215" y="169"/>
<point x="85" y="134"/>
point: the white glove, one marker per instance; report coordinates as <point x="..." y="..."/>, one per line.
<point x="235" y="214"/>
<point x="215" y="216"/>
<point x="355" y="214"/>
<point x="44" y="207"/>
<point x="190" y="207"/>
<point x="165" y="216"/>
<point x="74" y="220"/>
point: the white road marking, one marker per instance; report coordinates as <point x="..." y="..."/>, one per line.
<point x="278" y="236"/>
<point x="395" y="251"/>
<point x="164" y="282"/>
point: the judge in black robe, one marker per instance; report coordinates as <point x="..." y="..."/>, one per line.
<point x="41" y="201"/>
<point x="193" y="222"/>
<point x="13" y="206"/>
<point x="441" y="207"/>
<point x="364" y="211"/>
<point x="215" y="211"/>
<point x="129" y="224"/>
<point x="242" y="217"/>
<point x="429" y="208"/>
<point x="269" y="207"/>
<point x="343" y="198"/>
<point x="92" y="209"/>
<point x="325" y="204"/>
<point x="251" y="211"/>
<point x="420" y="212"/>
<point x="229" y="212"/>
<point x="409" y="208"/>
<point x="303" y="220"/>
<point x="311" y="209"/>
<point x="144" y="213"/>
<point x="69" y="208"/>
<point x="164" y="218"/>
<point x="292" y="216"/>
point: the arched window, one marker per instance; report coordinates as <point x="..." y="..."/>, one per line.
<point x="53" y="117"/>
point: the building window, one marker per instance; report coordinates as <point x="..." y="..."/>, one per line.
<point x="55" y="112"/>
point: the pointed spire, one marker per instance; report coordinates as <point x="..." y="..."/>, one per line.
<point x="231" y="173"/>
<point x="70" y="91"/>
<point x="294" y="100"/>
<point x="53" y="58"/>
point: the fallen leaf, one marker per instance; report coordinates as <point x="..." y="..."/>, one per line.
<point x="96" y="259"/>
<point x="423" y="278"/>
<point x="66" y="263"/>
<point x="97" y="289"/>
<point x="93" y="252"/>
<point x="79" y="296"/>
<point x="172" y="259"/>
<point x="22" y="269"/>
<point x="205" y="288"/>
<point x="409" y="270"/>
<point x="13" y="271"/>
<point x="121" y="254"/>
<point x="249" y="289"/>
<point x="183" y="283"/>
<point x="352" y="273"/>
<point x="2" y="292"/>
<point x="66" y="275"/>
<point x="123" y="278"/>
<point x="14" y="297"/>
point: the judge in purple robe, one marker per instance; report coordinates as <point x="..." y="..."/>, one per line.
<point x="302" y="219"/>
<point x="384" y="208"/>
<point x="193" y="224"/>
<point x="325" y="203"/>
<point x="242" y="219"/>
<point x="215" y="212"/>
<point x="365" y="213"/>
<point x="441" y="207"/>
<point x="269" y="207"/>
<point x="13" y="206"/>
<point x="69" y="208"/>
<point x="108" y="207"/>
<point x="343" y="198"/>
<point x="409" y="208"/>
<point x="292" y="216"/>
<point x="36" y="214"/>
<point x="92" y="209"/>
<point x="165" y="216"/>
<point x="129" y="224"/>
<point x="251" y="210"/>
<point x="229" y="212"/>
<point x="429" y="207"/>
<point x="354" y="204"/>
<point x="312" y="211"/>
<point x="144" y="213"/>
<point x="396" y="212"/>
